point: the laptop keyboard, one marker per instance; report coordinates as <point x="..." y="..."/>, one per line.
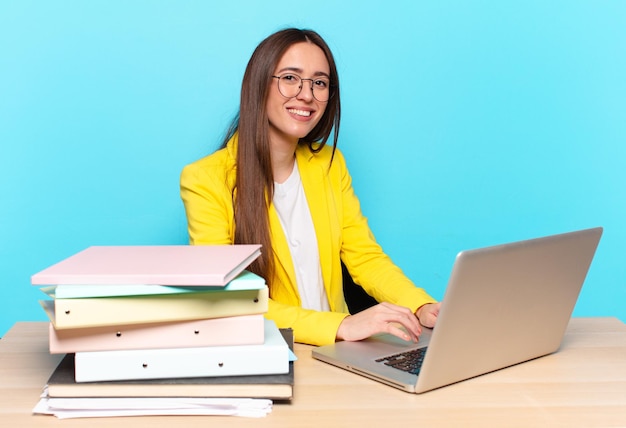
<point x="410" y="361"/>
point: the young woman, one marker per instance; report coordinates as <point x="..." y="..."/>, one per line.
<point x="277" y="182"/>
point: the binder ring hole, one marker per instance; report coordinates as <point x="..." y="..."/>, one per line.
<point x="118" y="334"/>
<point x="196" y="331"/>
<point x="221" y="364"/>
<point x="67" y="312"/>
<point x="144" y="365"/>
<point x="256" y="300"/>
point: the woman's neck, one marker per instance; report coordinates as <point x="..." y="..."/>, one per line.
<point x="283" y="159"/>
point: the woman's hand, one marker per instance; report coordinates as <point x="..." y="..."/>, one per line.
<point x="427" y="314"/>
<point x="382" y="318"/>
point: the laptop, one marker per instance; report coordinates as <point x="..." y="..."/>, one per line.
<point x="503" y="305"/>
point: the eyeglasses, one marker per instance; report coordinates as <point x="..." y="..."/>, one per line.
<point x="290" y="86"/>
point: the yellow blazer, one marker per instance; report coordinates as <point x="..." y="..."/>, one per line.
<point x="342" y="234"/>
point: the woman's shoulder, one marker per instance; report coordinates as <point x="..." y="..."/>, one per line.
<point x="218" y="167"/>
<point x="323" y="156"/>
<point x="221" y="159"/>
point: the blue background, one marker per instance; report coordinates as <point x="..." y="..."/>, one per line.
<point x="466" y="124"/>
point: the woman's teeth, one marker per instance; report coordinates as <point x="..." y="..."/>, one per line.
<point x="299" y="112"/>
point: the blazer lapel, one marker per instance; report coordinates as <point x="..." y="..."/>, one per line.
<point x="279" y="242"/>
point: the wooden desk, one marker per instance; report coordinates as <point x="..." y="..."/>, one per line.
<point x="584" y="384"/>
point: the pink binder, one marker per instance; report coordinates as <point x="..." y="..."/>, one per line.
<point x="239" y="330"/>
<point x="159" y="265"/>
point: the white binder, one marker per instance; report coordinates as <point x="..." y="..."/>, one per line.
<point x="272" y="357"/>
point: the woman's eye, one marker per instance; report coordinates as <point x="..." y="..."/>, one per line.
<point x="290" y="78"/>
<point x="322" y="84"/>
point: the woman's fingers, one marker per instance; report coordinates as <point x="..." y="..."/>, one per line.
<point x="404" y="317"/>
<point x="382" y="318"/>
<point x="427" y="314"/>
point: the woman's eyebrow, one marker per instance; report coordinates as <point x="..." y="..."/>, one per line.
<point x="299" y="71"/>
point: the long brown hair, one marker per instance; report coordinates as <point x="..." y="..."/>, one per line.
<point x="254" y="187"/>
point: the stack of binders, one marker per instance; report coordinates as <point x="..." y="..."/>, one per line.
<point x="164" y="321"/>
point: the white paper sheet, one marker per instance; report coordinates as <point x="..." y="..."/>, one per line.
<point x="65" y="408"/>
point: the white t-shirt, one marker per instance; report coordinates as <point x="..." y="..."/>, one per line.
<point x="295" y="217"/>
